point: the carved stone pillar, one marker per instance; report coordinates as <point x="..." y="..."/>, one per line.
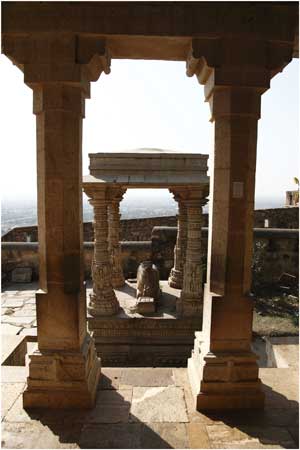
<point x="114" y="248"/>
<point x="223" y="369"/>
<point x="103" y="301"/>
<point x="191" y="299"/>
<point x="176" y="275"/>
<point x="64" y="371"/>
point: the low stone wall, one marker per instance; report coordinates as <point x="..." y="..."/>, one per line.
<point x="141" y="229"/>
<point x="25" y="254"/>
<point x="275" y="251"/>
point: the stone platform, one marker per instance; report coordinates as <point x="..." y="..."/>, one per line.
<point x="151" y="408"/>
<point x="125" y="339"/>
<point x="156" y="339"/>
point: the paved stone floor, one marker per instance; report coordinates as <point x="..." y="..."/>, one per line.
<point x="151" y="408"/>
<point x="140" y="407"/>
<point x="18" y="312"/>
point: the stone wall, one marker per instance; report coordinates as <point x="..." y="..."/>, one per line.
<point x="276" y="249"/>
<point x="141" y="229"/>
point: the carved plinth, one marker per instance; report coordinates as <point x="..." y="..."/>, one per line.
<point x="103" y="300"/>
<point x="224" y="380"/>
<point x="63" y="379"/>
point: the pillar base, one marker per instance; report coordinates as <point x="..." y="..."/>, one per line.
<point x="103" y="306"/>
<point x="225" y="381"/>
<point x="175" y="279"/>
<point x="63" y="379"/>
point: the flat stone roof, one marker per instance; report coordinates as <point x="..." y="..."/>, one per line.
<point x="148" y="167"/>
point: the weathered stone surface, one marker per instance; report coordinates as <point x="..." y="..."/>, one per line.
<point x="158" y="404"/>
<point x="22" y="321"/>
<point x="7" y="328"/>
<point x="110" y="378"/>
<point x="197" y="435"/>
<point x="37" y="435"/>
<point x="63" y="380"/>
<point x="147" y="377"/>
<point x="14" y="374"/>
<point x="112" y="406"/>
<point x="13" y="302"/>
<point x="248" y="437"/>
<point x="164" y="435"/>
<point x="181" y="377"/>
<point x="111" y="436"/>
<point x="21" y="275"/>
<point x="9" y="394"/>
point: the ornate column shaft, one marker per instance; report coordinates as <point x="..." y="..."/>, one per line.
<point x="114" y="247"/>
<point x="64" y="371"/>
<point x="176" y="275"/>
<point x="191" y="298"/>
<point x="223" y="370"/>
<point x="103" y="301"/>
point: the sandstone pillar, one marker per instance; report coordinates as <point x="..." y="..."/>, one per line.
<point x="176" y="275"/>
<point x="191" y="299"/>
<point x="64" y="371"/>
<point x="223" y="369"/>
<point x="114" y="247"/>
<point x="103" y="301"/>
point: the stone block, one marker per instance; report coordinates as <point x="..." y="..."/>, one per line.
<point x="112" y="406"/>
<point x="164" y="435"/>
<point x="121" y="435"/>
<point x="158" y="404"/>
<point x="197" y="435"/>
<point x="21" y="275"/>
<point x="147" y="377"/>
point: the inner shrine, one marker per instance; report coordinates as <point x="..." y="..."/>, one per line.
<point x="113" y="297"/>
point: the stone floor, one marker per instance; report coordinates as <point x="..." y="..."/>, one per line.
<point x="141" y="407"/>
<point x="18" y="312"/>
<point x="151" y="408"/>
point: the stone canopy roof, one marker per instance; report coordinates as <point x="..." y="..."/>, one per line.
<point x="147" y="168"/>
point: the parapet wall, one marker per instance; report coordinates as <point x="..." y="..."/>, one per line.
<point x="275" y="250"/>
<point x="141" y="229"/>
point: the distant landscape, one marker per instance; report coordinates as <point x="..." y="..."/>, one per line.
<point x="17" y="213"/>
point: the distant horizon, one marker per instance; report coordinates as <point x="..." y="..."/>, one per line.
<point x="134" y="194"/>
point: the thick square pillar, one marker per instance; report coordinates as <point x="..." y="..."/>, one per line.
<point x="223" y="369"/>
<point x="64" y="371"/>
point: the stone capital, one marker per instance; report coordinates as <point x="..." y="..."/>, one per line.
<point x="63" y="58"/>
<point x="232" y="61"/>
<point x="115" y="194"/>
<point x="96" y="194"/>
<point x="191" y="195"/>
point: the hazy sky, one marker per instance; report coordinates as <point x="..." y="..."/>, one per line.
<point x="150" y="104"/>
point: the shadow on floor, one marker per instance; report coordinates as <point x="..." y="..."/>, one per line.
<point x="108" y="425"/>
<point x="275" y="425"/>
